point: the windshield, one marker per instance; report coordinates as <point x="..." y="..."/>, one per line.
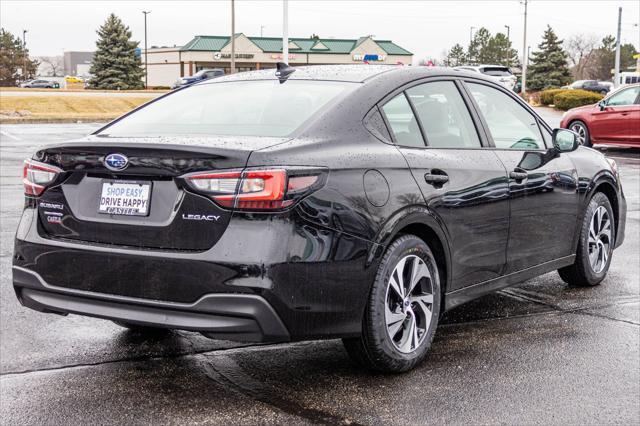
<point x="239" y="108"/>
<point x="497" y="71"/>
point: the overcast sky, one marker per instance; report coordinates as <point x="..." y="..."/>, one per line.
<point x="426" y="28"/>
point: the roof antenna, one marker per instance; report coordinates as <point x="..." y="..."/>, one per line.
<point x="283" y="71"/>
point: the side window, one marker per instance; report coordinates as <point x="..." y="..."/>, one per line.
<point x="444" y="116"/>
<point x="403" y="123"/>
<point x="624" y="97"/>
<point x="510" y="124"/>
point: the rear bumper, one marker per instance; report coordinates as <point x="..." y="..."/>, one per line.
<point x="313" y="279"/>
<point x="239" y="317"/>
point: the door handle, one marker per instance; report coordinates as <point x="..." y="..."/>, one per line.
<point x="518" y="175"/>
<point x="624" y="113"/>
<point x="436" y="179"/>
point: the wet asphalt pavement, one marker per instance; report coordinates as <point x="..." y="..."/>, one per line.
<point x="537" y="353"/>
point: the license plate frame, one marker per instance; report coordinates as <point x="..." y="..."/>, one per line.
<point x="119" y="204"/>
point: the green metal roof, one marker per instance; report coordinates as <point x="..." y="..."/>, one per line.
<point x="391" y="48"/>
<point x="274" y="45"/>
<point x="212" y="43"/>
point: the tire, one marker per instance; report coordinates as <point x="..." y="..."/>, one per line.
<point x="596" y="243"/>
<point x="419" y="310"/>
<point x="603" y="92"/>
<point x="582" y="130"/>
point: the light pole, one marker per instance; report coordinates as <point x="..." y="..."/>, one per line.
<point x="146" y="53"/>
<point x="616" y="69"/>
<point x="24" y="55"/>
<point x="262" y="27"/>
<point x="285" y="31"/>
<point x="508" y="44"/>
<point x="524" y="53"/>
<point x="470" y="40"/>
<point x="233" y="37"/>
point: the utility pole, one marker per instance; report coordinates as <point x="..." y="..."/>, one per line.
<point x="525" y="56"/>
<point x="471" y="41"/>
<point x="285" y="31"/>
<point x="616" y="75"/>
<point x="146" y="53"/>
<point x="262" y="27"/>
<point x="508" y="45"/>
<point x="233" y="37"/>
<point x="24" y="55"/>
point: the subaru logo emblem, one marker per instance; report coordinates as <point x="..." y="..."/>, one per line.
<point x="116" y="162"/>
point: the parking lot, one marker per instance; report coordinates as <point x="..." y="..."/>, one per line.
<point x="537" y="353"/>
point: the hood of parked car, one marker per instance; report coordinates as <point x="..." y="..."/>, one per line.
<point x="583" y="108"/>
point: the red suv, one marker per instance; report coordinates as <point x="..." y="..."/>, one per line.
<point x="615" y="120"/>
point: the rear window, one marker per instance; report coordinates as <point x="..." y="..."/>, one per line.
<point x="239" y="108"/>
<point x="497" y="71"/>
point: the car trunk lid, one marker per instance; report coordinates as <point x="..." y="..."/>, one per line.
<point x="151" y="208"/>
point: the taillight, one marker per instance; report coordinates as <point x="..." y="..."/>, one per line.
<point x="256" y="189"/>
<point x="36" y="176"/>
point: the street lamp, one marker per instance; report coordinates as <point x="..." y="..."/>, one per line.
<point x="24" y="54"/>
<point x="146" y="53"/>
<point x="233" y="37"/>
<point x="471" y="39"/>
<point x="508" y="44"/>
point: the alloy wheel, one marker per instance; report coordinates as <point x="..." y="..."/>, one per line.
<point x="409" y="303"/>
<point x="581" y="131"/>
<point x="599" y="239"/>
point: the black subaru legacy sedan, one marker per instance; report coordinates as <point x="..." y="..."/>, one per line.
<point x="353" y="202"/>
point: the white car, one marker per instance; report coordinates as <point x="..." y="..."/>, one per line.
<point x="500" y="73"/>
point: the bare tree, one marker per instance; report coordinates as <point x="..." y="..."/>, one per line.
<point x="54" y="64"/>
<point x="580" y="47"/>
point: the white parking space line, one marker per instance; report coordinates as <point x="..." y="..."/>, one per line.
<point x="9" y="135"/>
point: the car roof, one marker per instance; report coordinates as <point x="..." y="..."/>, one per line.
<point x="350" y="73"/>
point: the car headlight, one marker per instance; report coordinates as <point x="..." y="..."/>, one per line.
<point x="613" y="164"/>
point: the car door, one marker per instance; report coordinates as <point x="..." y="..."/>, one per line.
<point x="591" y="85"/>
<point x="543" y="193"/>
<point x="463" y="185"/>
<point x="618" y="119"/>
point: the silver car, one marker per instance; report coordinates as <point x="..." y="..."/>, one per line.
<point x="500" y="73"/>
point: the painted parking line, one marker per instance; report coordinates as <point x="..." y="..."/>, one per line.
<point x="9" y="135"/>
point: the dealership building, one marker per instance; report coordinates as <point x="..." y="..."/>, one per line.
<point x="168" y="64"/>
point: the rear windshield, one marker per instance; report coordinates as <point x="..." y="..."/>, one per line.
<point x="239" y="108"/>
<point x="497" y="71"/>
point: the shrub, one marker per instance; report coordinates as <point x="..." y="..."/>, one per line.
<point x="575" y="98"/>
<point x="547" y="96"/>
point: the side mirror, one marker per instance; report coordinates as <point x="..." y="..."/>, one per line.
<point x="565" y="140"/>
<point x="602" y="105"/>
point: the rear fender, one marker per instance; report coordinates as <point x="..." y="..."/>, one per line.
<point x="408" y="216"/>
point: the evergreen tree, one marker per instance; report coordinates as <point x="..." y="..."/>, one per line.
<point x="499" y="51"/>
<point x="115" y="64"/>
<point x="456" y="56"/>
<point x="602" y="61"/>
<point x="13" y="58"/>
<point x="548" y="67"/>
<point x="477" y="48"/>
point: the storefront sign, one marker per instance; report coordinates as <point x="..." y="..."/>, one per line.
<point x="369" y="57"/>
<point x="219" y="55"/>
<point x="279" y="56"/>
